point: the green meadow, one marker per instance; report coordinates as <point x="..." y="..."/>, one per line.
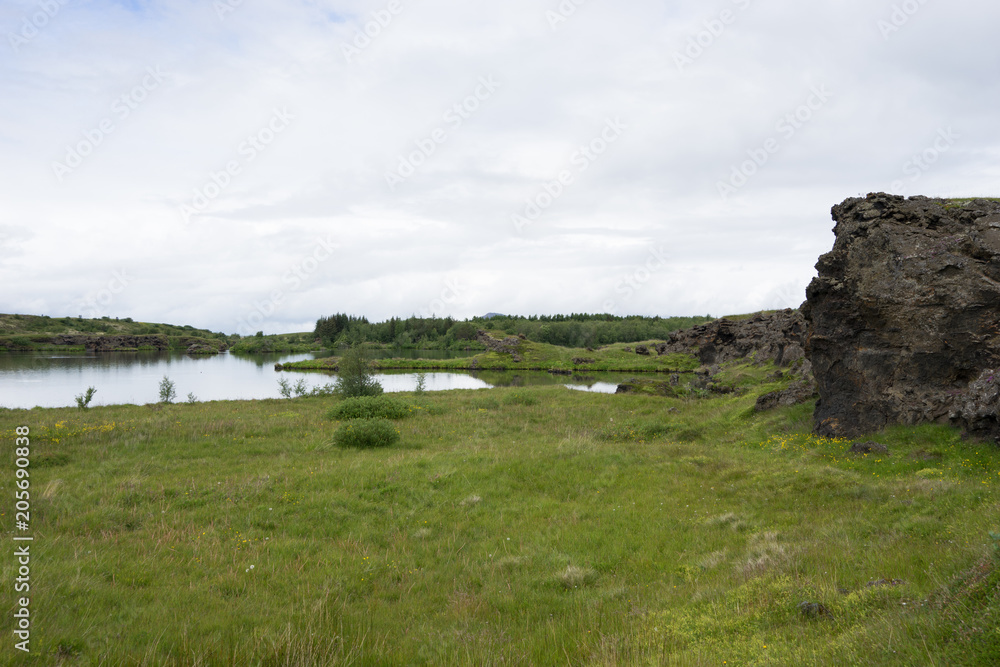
<point x="534" y="357"/>
<point x="537" y="526"/>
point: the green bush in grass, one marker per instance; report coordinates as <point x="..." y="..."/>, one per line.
<point x="370" y="407"/>
<point x="366" y="434"/>
<point x="355" y="375"/>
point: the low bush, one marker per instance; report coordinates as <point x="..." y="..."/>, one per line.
<point x="370" y="407"/>
<point x="20" y="343"/>
<point x="83" y="400"/>
<point x="366" y="434"/>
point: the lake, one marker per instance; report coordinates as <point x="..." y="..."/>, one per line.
<point x="53" y="379"/>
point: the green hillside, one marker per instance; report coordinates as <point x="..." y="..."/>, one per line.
<point x="40" y="332"/>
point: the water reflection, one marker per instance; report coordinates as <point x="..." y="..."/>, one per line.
<point x="54" y="379"/>
<point x="399" y="353"/>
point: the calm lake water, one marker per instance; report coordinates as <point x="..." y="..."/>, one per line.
<point x="53" y="379"/>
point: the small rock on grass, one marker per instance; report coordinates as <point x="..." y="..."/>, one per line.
<point x="870" y="447"/>
<point x="814" y="610"/>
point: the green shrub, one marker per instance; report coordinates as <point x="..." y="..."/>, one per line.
<point x="366" y="434"/>
<point x="83" y="400"/>
<point x="370" y="407"/>
<point x="355" y="375"/>
<point x="21" y="343"/>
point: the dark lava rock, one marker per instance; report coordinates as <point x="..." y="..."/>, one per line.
<point x="651" y="387"/>
<point x="905" y="316"/>
<point x="799" y="392"/>
<point x="582" y="360"/>
<point x="979" y="404"/>
<point x="113" y="342"/>
<point x="870" y="447"/>
<point x="814" y="610"/>
<point x="642" y="349"/>
<point x="693" y="385"/>
<point x="779" y="337"/>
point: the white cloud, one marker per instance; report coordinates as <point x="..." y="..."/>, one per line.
<point x="220" y="82"/>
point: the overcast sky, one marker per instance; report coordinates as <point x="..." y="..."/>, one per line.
<point x="255" y="164"/>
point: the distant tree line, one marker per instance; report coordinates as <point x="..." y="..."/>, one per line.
<point x="575" y="330"/>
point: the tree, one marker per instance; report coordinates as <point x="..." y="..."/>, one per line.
<point x="167" y="391"/>
<point x="355" y="375"/>
<point x="464" y="331"/>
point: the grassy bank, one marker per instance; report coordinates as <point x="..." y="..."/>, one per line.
<point x="508" y="526"/>
<point x="26" y="325"/>
<point x="293" y="343"/>
<point x="39" y="333"/>
<point x="531" y="356"/>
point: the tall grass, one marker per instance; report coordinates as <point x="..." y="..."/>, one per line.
<point x="506" y="527"/>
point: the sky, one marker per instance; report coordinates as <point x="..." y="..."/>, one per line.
<point x="252" y="165"/>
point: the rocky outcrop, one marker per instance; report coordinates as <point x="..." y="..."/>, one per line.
<point x="800" y="391"/>
<point x="679" y="385"/>
<point x="113" y="343"/>
<point x="905" y="316"/>
<point x="510" y="345"/>
<point x="870" y="447"/>
<point x="196" y="345"/>
<point x="779" y="337"/>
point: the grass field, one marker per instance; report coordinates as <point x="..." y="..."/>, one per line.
<point x="508" y="526"/>
<point x="534" y="356"/>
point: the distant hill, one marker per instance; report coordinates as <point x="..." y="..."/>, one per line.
<point x="14" y="325"/>
<point x="27" y="333"/>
